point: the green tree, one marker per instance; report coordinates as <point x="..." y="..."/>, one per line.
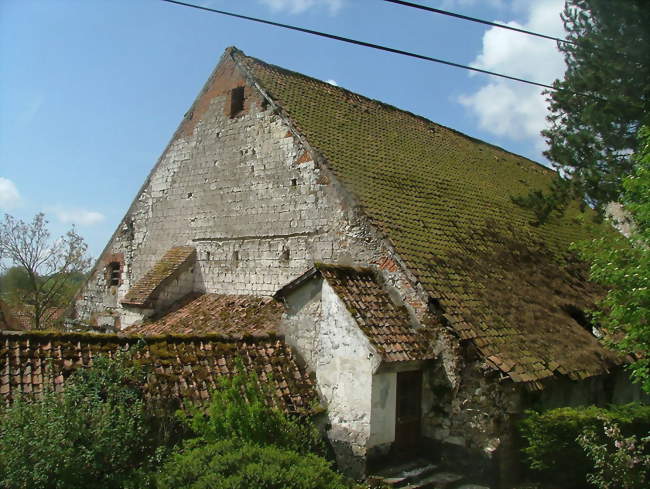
<point x="96" y="433"/>
<point x="624" y="267"/>
<point x="52" y="266"/>
<point x="13" y="282"/>
<point x="599" y="105"/>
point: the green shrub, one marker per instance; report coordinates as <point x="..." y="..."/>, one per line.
<point x="242" y="441"/>
<point x="94" y="434"/>
<point x="240" y="408"/>
<point x="620" y="462"/>
<point x="234" y="464"/>
<point x="551" y="445"/>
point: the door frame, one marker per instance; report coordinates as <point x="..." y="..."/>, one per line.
<point x="408" y="410"/>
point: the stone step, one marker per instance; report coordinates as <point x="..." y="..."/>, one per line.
<point x="399" y="476"/>
<point x="437" y="480"/>
<point x="471" y="486"/>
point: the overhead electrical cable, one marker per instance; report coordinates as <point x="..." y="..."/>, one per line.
<point x="480" y="21"/>
<point x="361" y="43"/>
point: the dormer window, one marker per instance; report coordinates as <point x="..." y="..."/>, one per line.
<point x="236" y="101"/>
<point x="114" y="273"/>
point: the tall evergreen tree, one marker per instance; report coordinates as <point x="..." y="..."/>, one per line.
<point x="598" y="107"/>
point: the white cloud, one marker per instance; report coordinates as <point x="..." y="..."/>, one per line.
<point x="332" y="82"/>
<point x="299" y="6"/>
<point x="80" y="217"/>
<point x="512" y="109"/>
<point x="9" y="195"/>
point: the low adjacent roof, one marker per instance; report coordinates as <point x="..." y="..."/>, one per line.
<point x="231" y="315"/>
<point x="20" y="318"/>
<point x="386" y="325"/>
<point x="443" y="201"/>
<point x="183" y="368"/>
<point x="166" y="268"/>
<point x="13" y="320"/>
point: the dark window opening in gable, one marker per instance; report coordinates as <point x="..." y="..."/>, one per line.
<point x="236" y="101"/>
<point x="294" y="182"/>
<point x="434" y="306"/>
<point x="113" y="273"/>
<point x="285" y="255"/>
<point x="579" y="316"/>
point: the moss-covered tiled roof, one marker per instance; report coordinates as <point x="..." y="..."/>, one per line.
<point x="167" y="267"/>
<point x="443" y="200"/>
<point x="231" y="315"/>
<point x="182" y="368"/>
<point x="386" y="325"/>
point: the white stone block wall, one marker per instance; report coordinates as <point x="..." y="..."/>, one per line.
<point x="383" y="414"/>
<point x="320" y="327"/>
<point x="242" y="192"/>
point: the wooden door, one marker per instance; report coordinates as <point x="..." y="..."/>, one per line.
<point x="408" y="410"/>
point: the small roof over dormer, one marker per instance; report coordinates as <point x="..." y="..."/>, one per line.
<point x="171" y="264"/>
<point x="386" y="324"/>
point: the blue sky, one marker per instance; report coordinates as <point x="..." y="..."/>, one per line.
<point x="92" y="90"/>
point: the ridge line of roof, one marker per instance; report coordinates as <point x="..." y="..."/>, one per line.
<point x="234" y="51"/>
<point x="116" y="337"/>
<point x="342" y="268"/>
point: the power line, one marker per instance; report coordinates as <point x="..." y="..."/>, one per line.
<point x="475" y="19"/>
<point x="361" y="43"/>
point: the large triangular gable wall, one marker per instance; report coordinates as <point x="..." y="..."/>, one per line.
<point x="243" y="187"/>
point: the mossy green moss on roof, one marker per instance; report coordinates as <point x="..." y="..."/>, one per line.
<point x="171" y="263"/>
<point x="215" y="313"/>
<point x="180" y="368"/>
<point x="386" y="325"/>
<point x="443" y="200"/>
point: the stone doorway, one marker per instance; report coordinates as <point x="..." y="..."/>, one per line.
<point x="408" y="411"/>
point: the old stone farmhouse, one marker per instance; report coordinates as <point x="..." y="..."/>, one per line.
<point x="382" y="248"/>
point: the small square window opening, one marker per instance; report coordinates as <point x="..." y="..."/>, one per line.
<point x="236" y="101"/>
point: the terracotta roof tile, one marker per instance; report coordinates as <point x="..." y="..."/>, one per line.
<point x="167" y="267"/>
<point x="19" y="318"/>
<point x="230" y="315"/>
<point x="182" y="368"/>
<point x="443" y="200"/>
<point x="386" y="325"/>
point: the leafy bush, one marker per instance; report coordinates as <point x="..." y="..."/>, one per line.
<point x="551" y="437"/>
<point x="240" y="409"/>
<point x="94" y="434"/>
<point x="242" y="441"/>
<point x="234" y="464"/>
<point x="619" y="462"/>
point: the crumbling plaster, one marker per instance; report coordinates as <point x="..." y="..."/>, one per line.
<point x="360" y="399"/>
